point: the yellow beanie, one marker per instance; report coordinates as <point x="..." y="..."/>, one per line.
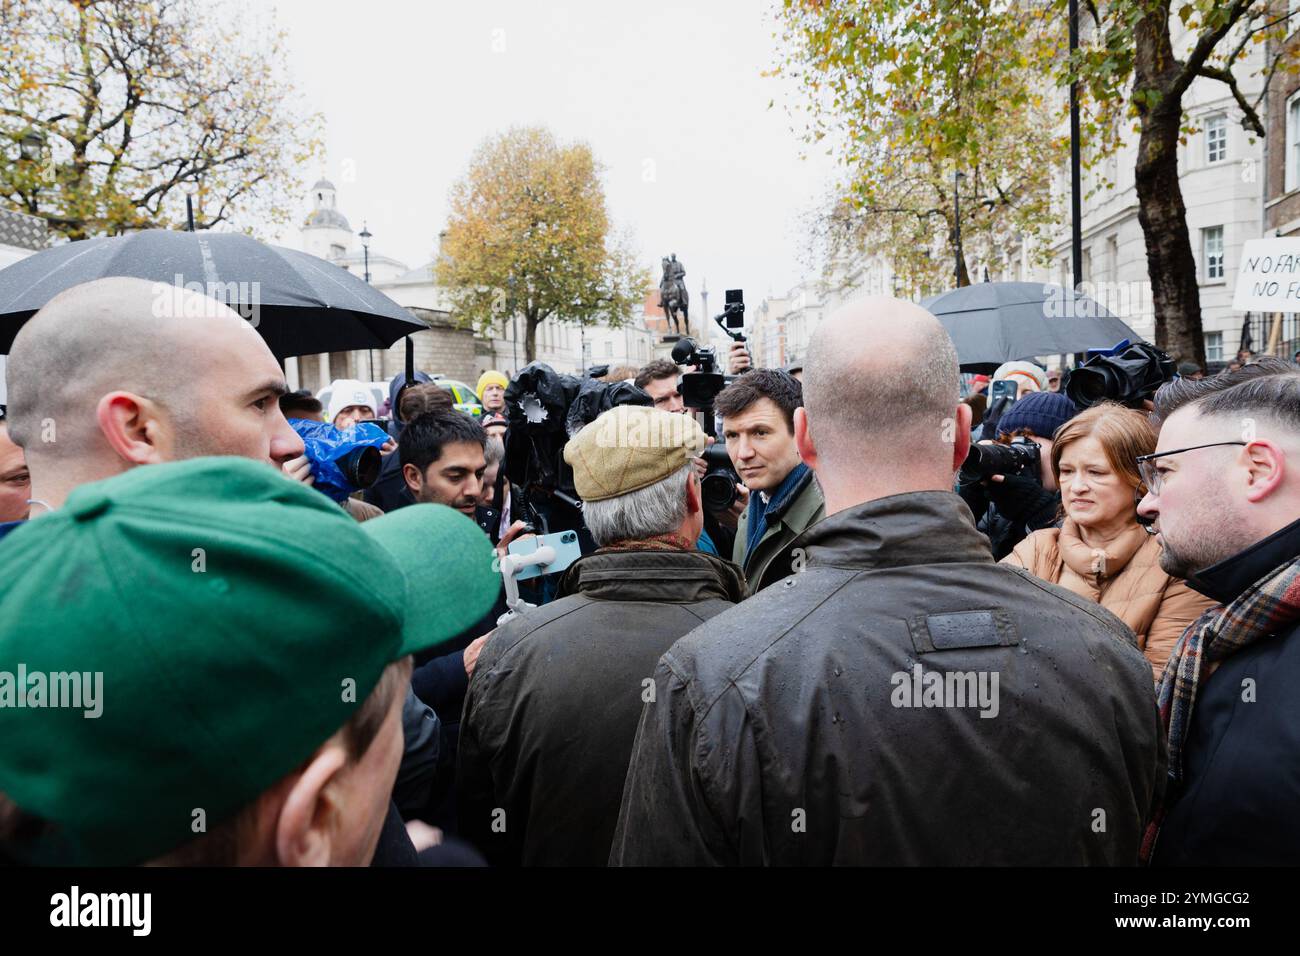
<point x="490" y="377"/>
<point x="631" y="447"/>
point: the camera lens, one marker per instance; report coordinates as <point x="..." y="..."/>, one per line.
<point x="361" y="466"/>
<point x="1088" y="386"/>
<point x="718" y="491"/>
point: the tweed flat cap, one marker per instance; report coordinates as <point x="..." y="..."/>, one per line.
<point x="631" y="447"/>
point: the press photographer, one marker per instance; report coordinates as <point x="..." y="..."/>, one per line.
<point x="1008" y="483"/>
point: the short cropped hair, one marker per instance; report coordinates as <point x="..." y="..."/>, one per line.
<point x="425" y="436"/>
<point x="1268" y="387"/>
<point x="660" y="368"/>
<point x="294" y="404"/>
<point x="772" y="383"/>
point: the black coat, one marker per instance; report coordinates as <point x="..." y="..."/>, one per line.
<point x="553" y="705"/>
<point x="784" y="730"/>
<point x="1237" y="802"/>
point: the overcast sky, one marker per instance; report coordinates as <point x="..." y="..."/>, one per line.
<point x="669" y="96"/>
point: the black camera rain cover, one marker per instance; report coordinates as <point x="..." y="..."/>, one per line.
<point x="545" y="408"/>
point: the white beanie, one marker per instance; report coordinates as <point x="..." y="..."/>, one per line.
<point x="1019" y="371"/>
<point x="348" y="391"/>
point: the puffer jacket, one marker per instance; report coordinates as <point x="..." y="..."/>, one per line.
<point x="1128" y="582"/>
<point x="552" y="708"/>
<point x="790" y="729"/>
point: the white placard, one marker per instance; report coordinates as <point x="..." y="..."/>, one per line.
<point x="1269" y="277"/>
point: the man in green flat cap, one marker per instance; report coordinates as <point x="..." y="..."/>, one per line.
<point x="218" y="673"/>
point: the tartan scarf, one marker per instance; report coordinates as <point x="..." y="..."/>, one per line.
<point x="1267" y="606"/>
<point x="658" y="542"/>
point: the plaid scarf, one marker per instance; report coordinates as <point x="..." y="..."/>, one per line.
<point x="1267" y="606"/>
<point x="658" y="542"/>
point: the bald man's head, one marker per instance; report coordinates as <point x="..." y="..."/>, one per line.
<point x="181" y="371"/>
<point x="881" y="383"/>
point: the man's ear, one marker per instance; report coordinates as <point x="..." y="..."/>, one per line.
<point x="803" y="438"/>
<point x="414" y="480"/>
<point x="694" y="495"/>
<point x="133" y="428"/>
<point x="1265" y="468"/>
<point x="961" y="440"/>
<point x="308" y="816"/>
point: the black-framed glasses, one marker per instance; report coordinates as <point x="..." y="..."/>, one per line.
<point x="1147" y="463"/>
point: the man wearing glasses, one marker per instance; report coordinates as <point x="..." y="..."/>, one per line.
<point x="1223" y="494"/>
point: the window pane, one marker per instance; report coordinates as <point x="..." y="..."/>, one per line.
<point x="1293" y="144"/>
<point x="1216" y="139"/>
<point x="1214" y="346"/>
<point x="1213" y="252"/>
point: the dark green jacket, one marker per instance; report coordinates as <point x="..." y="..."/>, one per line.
<point x="771" y="558"/>
<point x="553" y="705"/>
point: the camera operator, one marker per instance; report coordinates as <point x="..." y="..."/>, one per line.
<point x="757" y="412"/>
<point x="1007" y="507"/>
<point x="659" y="379"/>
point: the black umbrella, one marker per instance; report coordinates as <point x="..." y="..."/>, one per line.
<point x="996" y="322"/>
<point x="300" y="304"/>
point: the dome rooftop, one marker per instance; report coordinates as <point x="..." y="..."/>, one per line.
<point x="326" y="218"/>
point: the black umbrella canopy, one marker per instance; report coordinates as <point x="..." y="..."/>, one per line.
<point x="995" y="322"/>
<point x="300" y="304"/>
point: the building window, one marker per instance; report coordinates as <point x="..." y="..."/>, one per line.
<point x="1216" y="139"/>
<point x="1212" y="247"/>
<point x="337" y="251"/>
<point x="1214" y="346"/>
<point x="609" y="350"/>
<point x="1293" y="143"/>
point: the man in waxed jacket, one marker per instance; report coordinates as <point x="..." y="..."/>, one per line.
<point x="902" y="699"/>
<point x="553" y="704"/>
<point x="757" y="411"/>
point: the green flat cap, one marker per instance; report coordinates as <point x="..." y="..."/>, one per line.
<point x="181" y="636"/>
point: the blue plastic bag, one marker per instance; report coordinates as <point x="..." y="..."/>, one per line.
<point x="327" y="445"/>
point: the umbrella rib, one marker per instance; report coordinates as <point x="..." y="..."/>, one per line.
<point x="63" y="264"/>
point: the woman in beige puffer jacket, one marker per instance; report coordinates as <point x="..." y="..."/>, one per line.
<point x="1100" y="552"/>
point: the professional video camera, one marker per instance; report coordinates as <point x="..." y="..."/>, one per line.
<point x="700" y="388"/>
<point x="1021" y="457"/>
<point x="1128" y="374"/>
<point x="545" y="408"/>
<point x="342" y="460"/>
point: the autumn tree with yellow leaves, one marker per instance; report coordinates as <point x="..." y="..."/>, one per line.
<point x="112" y="111"/>
<point x="529" y="235"/>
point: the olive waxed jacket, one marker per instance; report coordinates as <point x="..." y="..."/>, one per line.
<point x="553" y="705"/>
<point x="848" y="714"/>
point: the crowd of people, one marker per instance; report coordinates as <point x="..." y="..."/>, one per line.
<point x="872" y="655"/>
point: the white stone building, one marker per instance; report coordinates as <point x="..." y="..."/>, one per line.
<point x="327" y="233"/>
<point x="20" y="236"/>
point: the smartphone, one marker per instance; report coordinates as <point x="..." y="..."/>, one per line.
<point x="734" y="309"/>
<point x="1003" y="389"/>
<point x="567" y="550"/>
